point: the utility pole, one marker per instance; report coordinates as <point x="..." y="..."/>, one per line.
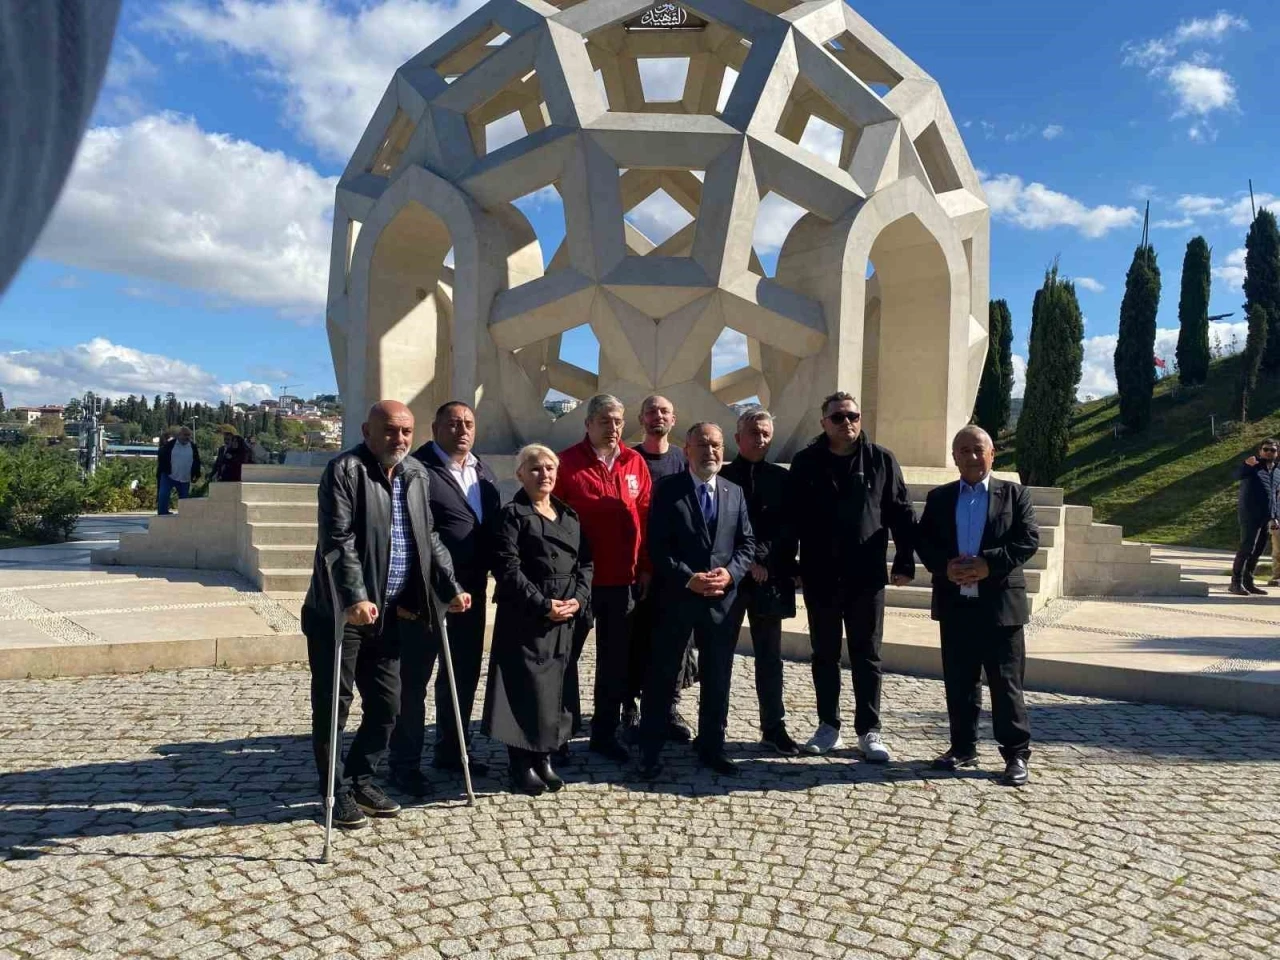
<point x="1252" y="207"/>
<point x="91" y="440"/>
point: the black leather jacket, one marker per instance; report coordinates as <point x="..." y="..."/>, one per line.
<point x="355" y="518"/>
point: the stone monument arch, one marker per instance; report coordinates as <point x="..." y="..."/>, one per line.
<point x="880" y="286"/>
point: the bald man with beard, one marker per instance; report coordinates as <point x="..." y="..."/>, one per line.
<point x="374" y="509"/>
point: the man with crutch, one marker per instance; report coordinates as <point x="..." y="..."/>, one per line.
<point x="375" y="516"/>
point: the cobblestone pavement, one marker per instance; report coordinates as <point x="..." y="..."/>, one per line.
<point x="171" y="815"/>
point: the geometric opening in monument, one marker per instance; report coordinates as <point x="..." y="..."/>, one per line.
<point x="822" y="139"/>
<point x="658" y="217"/>
<point x="726" y="88"/>
<point x="662" y="79"/>
<point x="393" y="144"/>
<point x="863" y="64"/>
<point x="936" y="160"/>
<point x="734" y="378"/>
<point x="470" y="53"/>
<point x="811" y="121"/>
<point x="544" y="209"/>
<point x="511" y="114"/>
<point x="504" y="130"/>
<point x="774" y="220"/>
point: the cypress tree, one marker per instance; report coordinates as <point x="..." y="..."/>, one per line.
<point x="1006" y="364"/>
<point x="1262" y="280"/>
<point x="986" y="408"/>
<point x="1255" y="346"/>
<point x="1055" y="356"/>
<point x="1136" y="343"/>
<point x="1193" y="314"/>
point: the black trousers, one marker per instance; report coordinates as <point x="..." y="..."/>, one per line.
<point x="716" y="644"/>
<point x="860" y="615"/>
<point x="1254" y="540"/>
<point x="643" y="624"/>
<point x="766" y="643"/>
<point x="370" y="664"/>
<point x="612" y="608"/>
<point x="417" y="660"/>
<point x="972" y="645"/>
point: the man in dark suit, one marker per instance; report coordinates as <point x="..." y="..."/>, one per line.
<point x="465" y="504"/>
<point x="701" y="547"/>
<point x="769" y="593"/>
<point x="974" y="537"/>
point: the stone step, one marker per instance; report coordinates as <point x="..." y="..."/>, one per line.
<point x="1120" y="586"/>
<point x="1122" y="552"/>
<point x="1046" y="516"/>
<point x="294" y="533"/>
<point x="283" y="581"/>
<point x="273" y="511"/>
<point x="1038" y="562"/>
<point x="925" y="579"/>
<point x="281" y="557"/>
<point x="920" y="598"/>
<point x="1040" y="496"/>
<point x="279" y="493"/>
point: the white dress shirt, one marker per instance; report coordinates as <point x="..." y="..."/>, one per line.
<point x="467" y="476"/>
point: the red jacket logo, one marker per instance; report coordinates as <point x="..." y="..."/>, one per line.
<point x="633" y="485"/>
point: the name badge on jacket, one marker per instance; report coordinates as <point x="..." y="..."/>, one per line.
<point x="633" y="485"/>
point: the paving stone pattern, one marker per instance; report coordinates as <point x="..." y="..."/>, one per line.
<point x="172" y="815"/>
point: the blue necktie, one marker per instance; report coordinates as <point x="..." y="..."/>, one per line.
<point x="708" y="506"/>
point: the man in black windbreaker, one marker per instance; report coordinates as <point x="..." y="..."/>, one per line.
<point x="846" y="494"/>
<point x="1258" y="510"/>
<point x="374" y="509"/>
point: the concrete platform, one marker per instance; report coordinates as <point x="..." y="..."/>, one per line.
<point x="62" y="616"/>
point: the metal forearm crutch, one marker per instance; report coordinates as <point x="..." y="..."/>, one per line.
<point x="330" y="559"/>
<point x="457" y="713"/>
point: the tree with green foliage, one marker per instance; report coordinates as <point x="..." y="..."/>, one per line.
<point x="986" y="408"/>
<point x="1193" y="314"/>
<point x="1136" y="342"/>
<point x="2" y="408"/>
<point x="1054" y="364"/>
<point x="1262" y="280"/>
<point x="1255" y="347"/>
<point x="1006" y="364"/>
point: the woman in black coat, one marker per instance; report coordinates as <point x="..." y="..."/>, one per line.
<point x="543" y="572"/>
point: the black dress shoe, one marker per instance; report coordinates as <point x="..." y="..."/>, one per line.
<point x="411" y="782"/>
<point x="718" y="762"/>
<point x="478" y="767"/>
<point x="678" y="729"/>
<point x="562" y="753"/>
<point x="1238" y="590"/>
<point x="1254" y="589"/>
<point x="650" y="768"/>
<point x="1015" y="773"/>
<point x="525" y="780"/>
<point x="611" y="749"/>
<point x="548" y="776"/>
<point x="954" y="760"/>
<point x="781" y="741"/>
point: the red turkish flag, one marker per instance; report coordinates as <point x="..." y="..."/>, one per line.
<point x="1159" y="362"/>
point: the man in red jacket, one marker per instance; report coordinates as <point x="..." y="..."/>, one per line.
<point x="608" y="485"/>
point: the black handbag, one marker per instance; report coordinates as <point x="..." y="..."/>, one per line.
<point x="776" y="597"/>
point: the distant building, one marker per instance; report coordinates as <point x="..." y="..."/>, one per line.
<point x="33" y="414"/>
<point x="558" y="408"/>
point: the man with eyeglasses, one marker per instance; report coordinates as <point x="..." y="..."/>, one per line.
<point x="1258" y="510"/>
<point x="846" y="495"/>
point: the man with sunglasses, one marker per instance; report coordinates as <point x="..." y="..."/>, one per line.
<point x="846" y="495"/>
<point x="1258" y="510"/>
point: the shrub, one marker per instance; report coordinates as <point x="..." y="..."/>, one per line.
<point x="41" y="494"/>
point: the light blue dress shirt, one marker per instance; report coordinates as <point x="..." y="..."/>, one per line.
<point x="971" y="521"/>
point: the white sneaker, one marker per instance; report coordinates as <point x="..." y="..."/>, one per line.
<point x="825" y="739"/>
<point x="873" y="748"/>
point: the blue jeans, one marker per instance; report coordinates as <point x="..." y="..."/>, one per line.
<point x="168" y="484"/>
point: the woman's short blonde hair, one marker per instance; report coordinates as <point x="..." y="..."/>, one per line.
<point x="535" y="451"/>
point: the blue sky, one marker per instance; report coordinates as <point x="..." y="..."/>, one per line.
<point x="190" y="250"/>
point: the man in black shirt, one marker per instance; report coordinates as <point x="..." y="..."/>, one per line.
<point x="768" y="593"/>
<point x="658" y="418"/>
<point x="845" y="495"/>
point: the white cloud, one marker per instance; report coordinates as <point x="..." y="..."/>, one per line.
<point x="1052" y="131"/>
<point x="1201" y="90"/>
<point x="1090" y="284"/>
<point x="1231" y="269"/>
<point x="160" y="199"/>
<point x="1174" y="224"/>
<point x="1036" y="207"/>
<point x="1153" y="53"/>
<point x="332" y="64"/>
<point x="1238" y="210"/>
<point x="52" y="376"/>
<point x="1019" y="375"/>
<point x="659" y="217"/>
<point x="662" y="79"/>
<point x="129" y="73"/>
<point x="774" y="221"/>
<point x="823" y="140"/>
<point x="729" y="352"/>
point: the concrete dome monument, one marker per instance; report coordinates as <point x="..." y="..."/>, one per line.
<point x="880" y="287"/>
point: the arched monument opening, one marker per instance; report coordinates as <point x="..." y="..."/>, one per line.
<point x="411" y="311"/>
<point x="906" y="335"/>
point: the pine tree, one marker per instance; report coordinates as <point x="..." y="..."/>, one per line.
<point x="1135" y="345"/>
<point x="1006" y="364"/>
<point x="1255" y="347"/>
<point x="986" y="408"/>
<point x="1193" y="314"/>
<point x="1" y="402"/>
<point x="1262" y="280"/>
<point x="1054" y="361"/>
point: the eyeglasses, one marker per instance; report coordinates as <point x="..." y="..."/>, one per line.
<point x="841" y="417"/>
<point x="1268" y="449"/>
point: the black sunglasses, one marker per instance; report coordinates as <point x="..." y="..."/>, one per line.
<point x="1268" y="449"/>
<point x="840" y="417"/>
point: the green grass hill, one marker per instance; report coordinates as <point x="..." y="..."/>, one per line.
<point x="1171" y="483"/>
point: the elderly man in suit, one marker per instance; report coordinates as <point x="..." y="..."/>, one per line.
<point x="701" y="547"/>
<point x="974" y="536"/>
<point x="465" y="504"/>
